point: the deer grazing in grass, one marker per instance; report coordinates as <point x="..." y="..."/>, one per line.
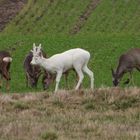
<point x="5" y="62"/>
<point x="127" y="62"/>
<point x="33" y="73"/>
<point x="49" y="78"/>
<point x="58" y="64"/>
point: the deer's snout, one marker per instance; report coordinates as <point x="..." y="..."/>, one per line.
<point x="115" y="83"/>
<point x="33" y="63"/>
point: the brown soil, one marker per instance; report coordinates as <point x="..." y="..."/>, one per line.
<point x="8" y="10"/>
<point x="84" y="16"/>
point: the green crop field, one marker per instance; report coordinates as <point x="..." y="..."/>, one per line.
<point x="108" y="31"/>
<point x="106" y="28"/>
<point x="104" y="49"/>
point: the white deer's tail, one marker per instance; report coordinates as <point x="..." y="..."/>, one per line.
<point x="7" y="59"/>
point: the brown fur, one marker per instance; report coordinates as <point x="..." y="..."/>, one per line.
<point x="32" y="73"/>
<point x="4" y="68"/>
<point x="127" y="62"/>
<point x="50" y="78"/>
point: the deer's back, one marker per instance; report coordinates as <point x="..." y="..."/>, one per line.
<point x="131" y="58"/>
<point x="68" y="59"/>
<point x="70" y="56"/>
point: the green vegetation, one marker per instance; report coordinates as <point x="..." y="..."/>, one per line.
<point x="51" y="17"/>
<point x="105" y="51"/>
<point x="20" y="105"/>
<point x="49" y="136"/>
<point x="106" y="113"/>
<point x="111" y="29"/>
<point x="115" y="16"/>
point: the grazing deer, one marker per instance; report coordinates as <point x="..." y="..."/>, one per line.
<point x="49" y="78"/>
<point x="127" y="62"/>
<point x="5" y="62"/>
<point x="58" y="64"/>
<point x="32" y="72"/>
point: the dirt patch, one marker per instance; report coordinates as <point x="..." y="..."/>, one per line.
<point x="8" y="10"/>
<point x="84" y="16"/>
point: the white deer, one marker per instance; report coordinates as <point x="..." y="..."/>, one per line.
<point x="76" y="59"/>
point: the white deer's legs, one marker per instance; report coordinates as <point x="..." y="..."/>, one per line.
<point x="90" y="74"/>
<point x="81" y="77"/>
<point x="58" y="77"/>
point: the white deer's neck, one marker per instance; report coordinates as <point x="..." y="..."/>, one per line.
<point x="46" y="64"/>
<point x="43" y="62"/>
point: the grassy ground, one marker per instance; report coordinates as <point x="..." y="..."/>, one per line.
<point x="105" y="51"/>
<point x="106" y="113"/>
<point x="60" y="16"/>
<point x="114" y="16"/>
<point x="52" y="16"/>
<point x="49" y="22"/>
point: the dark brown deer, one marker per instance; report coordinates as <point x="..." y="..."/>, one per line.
<point x="48" y="79"/>
<point x="32" y="72"/>
<point x="5" y="62"/>
<point x="127" y="62"/>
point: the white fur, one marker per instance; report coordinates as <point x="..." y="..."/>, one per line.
<point x="60" y="63"/>
<point x="7" y="59"/>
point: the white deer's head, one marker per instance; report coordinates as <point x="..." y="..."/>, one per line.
<point x="37" y="54"/>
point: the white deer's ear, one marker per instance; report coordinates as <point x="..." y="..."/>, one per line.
<point x="34" y="45"/>
<point x="31" y="51"/>
<point x="39" y="46"/>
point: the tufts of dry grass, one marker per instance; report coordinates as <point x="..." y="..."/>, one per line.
<point x="105" y="113"/>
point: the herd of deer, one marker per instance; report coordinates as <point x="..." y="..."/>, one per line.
<point x="59" y="64"/>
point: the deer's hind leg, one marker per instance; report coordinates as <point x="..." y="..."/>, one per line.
<point x="81" y="77"/>
<point x="27" y="80"/>
<point x="131" y="77"/>
<point x="7" y="78"/>
<point x="7" y="85"/>
<point x="90" y="74"/>
<point x="58" y="77"/>
<point x="1" y="81"/>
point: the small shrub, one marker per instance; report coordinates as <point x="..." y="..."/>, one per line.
<point x="20" y="105"/>
<point x="125" y="103"/>
<point x="58" y="103"/>
<point x="49" y="136"/>
<point x="89" y="104"/>
<point x="88" y="130"/>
